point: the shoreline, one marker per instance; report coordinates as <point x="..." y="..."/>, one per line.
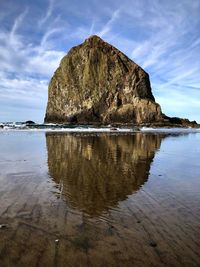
<point x="99" y="130"/>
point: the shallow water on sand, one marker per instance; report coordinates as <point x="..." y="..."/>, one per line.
<point x="99" y="199"/>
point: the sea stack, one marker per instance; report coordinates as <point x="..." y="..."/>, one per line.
<point x="96" y="83"/>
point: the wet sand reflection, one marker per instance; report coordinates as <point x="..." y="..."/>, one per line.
<point x="99" y="200"/>
<point x="94" y="173"/>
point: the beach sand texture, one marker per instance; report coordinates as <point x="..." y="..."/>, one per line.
<point x="99" y="200"/>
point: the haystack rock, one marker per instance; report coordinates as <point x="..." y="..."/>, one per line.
<point x="96" y="83"/>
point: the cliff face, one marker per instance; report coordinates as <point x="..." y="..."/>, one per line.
<point x="96" y="83"/>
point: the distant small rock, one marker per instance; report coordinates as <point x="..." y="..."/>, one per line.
<point x="30" y="122"/>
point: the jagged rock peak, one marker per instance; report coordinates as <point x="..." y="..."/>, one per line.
<point x="97" y="83"/>
<point x="96" y="41"/>
<point x="94" y="38"/>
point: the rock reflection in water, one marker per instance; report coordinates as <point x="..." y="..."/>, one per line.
<point x="95" y="172"/>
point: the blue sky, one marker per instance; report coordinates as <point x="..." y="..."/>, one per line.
<point x="161" y="36"/>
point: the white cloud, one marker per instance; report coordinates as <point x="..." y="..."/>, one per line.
<point x="22" y="96"/>
<point x="21" y="60"/>
<point x="22" y="88"/>
<point x="17" y="56"/>
<point x="45" y="63"/>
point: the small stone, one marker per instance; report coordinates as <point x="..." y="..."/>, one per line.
<point x="3" y="226"/>
<point x="153" y="244"/>
<point x="57" y="240"/>
<point x="30" y="122"/>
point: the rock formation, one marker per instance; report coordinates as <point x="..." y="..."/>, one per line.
<point x="96" y="83"/>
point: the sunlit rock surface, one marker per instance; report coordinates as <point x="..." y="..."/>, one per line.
<point x="96" y="83"/>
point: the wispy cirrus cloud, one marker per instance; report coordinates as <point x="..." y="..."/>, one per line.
<point x="26" y="66"/>
<point x="108" y="26"/>
<point x="48" y="14"/>
<point x="16" y="25"/>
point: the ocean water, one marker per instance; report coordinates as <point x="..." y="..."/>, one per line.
<point x="72" y="128"/>
<point x="99" y="198"/>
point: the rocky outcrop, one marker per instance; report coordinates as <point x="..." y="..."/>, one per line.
<point x="96" y="83"/>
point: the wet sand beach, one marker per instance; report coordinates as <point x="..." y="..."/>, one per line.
<point x="99" y="199"/>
